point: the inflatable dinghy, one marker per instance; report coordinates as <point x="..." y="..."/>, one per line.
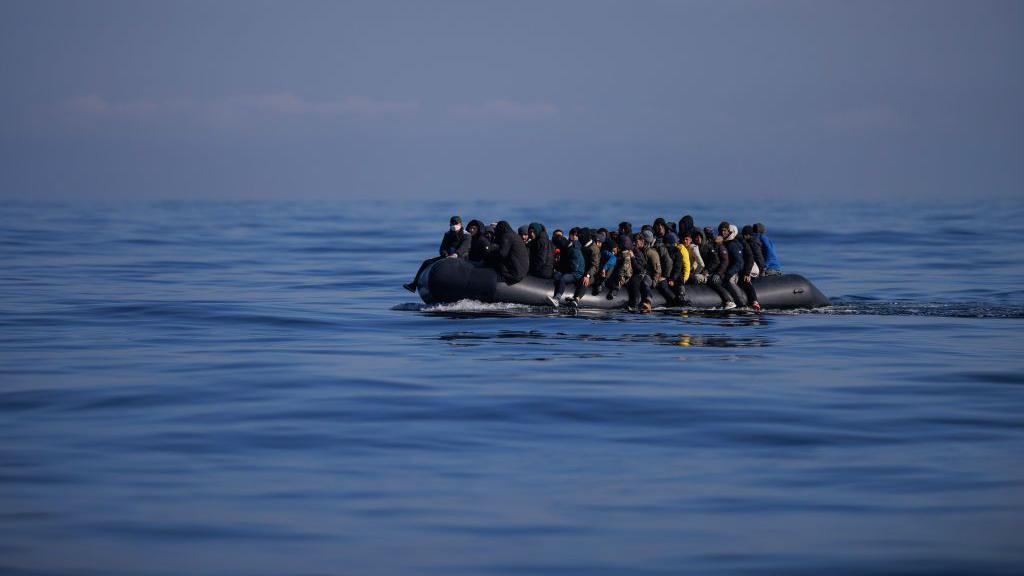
<point x="453" y="279"/>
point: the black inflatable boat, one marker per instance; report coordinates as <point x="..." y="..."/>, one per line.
<point x="454" y="279"/>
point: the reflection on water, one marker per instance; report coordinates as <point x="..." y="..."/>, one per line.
<point x="723" y="340"/>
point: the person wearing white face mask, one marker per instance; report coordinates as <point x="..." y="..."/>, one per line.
<point x="455" y="244"/>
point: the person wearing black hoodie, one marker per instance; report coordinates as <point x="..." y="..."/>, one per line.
<point x="737" y="262"/>
<point x="454" y="244"/>
<point x="510" y="260"/>
<point x="591" y="249"/>
<point x="479" y="243"/>
<point x="542" y="253"/>
<point x="753" y="262"/>
<point x="756" y="249"/>
<point x="717" y="274"/>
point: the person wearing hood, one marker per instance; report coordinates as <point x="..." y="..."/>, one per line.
<point x="623" y="272"/>
<point x="660" y="229"/>
<point x="708" y="251"/>
<point x="454" y="244"/>
<point x="479" y="243"/>
<point x="608" y="260"/>
<point x="716" y="275"/>
<point x="771" y="260"/>
<point x="510" y="260"/>
<point x="737" y="262"/>
<point x="524" y="233"/>
<point x="542" y="254"/>
<point x="571" y="265"/>
<point x="756" y="250"/>
<point x="686" y="227"/>
<point x="591" y="249"/>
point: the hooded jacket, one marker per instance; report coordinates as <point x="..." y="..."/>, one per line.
<point x="542" y="254"/>
<point x="510" y="260"/>
<point x="756" y="251"/>
<point x="735" y="248"/>
<point x="478" y="244"/>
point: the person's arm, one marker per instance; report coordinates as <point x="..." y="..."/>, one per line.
<point x="462" y="248"/>
<point x="595" y="262"/>
<point x="445" y="244"/>
<point x="699" y="259"/>
<point x="655" y="264"/>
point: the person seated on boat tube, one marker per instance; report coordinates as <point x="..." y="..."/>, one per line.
<point x="479" y="241"/>
<point x="623" y="272"/>
<point x="750" y="271"/>
<point x="680" y="271"/>
<point x="591" y="249"/>
<point x="607" y="263"/>
<point x="669" y="265"/>
<point x="509" y="258"/>
<point x="771" y="259"/>
<point x="756" y="252"/>
<point x="571" y="265"/>
<point x="542" y="254"/>
<point x="717" y="274"/>
<point x="697" y="275"/>
<point x="454" y="244"/>
<point x="737" y="269"/>
<point x="646" y="267"/>
<point x="708" y="251"/>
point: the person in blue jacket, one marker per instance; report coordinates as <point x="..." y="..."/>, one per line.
<point x="771" y="259"/>
<point x="570" y="266"/>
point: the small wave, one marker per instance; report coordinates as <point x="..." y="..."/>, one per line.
<point x="470" y="306"/>
<point x="861" y="306"/>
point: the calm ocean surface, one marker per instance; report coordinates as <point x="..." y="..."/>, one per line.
<point x="245" y="389"/>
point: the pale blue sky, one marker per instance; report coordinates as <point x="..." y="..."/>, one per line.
<point x="531" y="99"/>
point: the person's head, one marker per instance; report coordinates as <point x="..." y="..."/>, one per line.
<point x="574" y="233"/>
<point x="455" y="223"/>
<point x="625" y="228"/>
<point x="474" y="227"/>
<point x="659" y="227"/>
<point x="536" y="230"/>
<point x="687" y="240"/>
<point x="759" y="228"/>
<point x="600" y="237"/>
<point x="671" y="239"/>
<point x="585" y="236"/>
<point x="524" y="233"/>
<point x="747" y="231"/>
<point x="648" y="238"/>
<point x="719" y="239"/>
<point x="557" y="233"/>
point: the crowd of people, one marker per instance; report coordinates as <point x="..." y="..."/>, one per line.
<point x="663" y="256"/>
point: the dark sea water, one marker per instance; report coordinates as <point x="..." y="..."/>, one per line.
<point x="245" y="389"/>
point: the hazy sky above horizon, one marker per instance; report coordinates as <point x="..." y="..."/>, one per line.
<point x="460" y="100"/>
